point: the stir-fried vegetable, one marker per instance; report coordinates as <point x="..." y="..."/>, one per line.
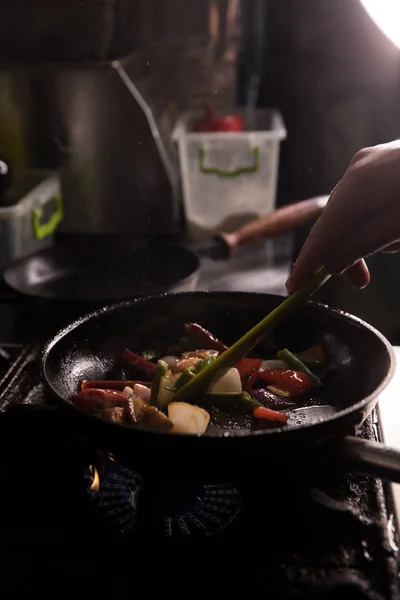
<point x="98" y="400"/>
<point x="188" y="418"/>
<point x="252" y="387"/>
<point x="204" y="338"/>
<point x="231" y="402"/>
<point x="296" y="364"/>
<point x="139" y="366"/>
<point x="293" y="382"/>
<point x="111" y="384"/>
<point x="248" y="369"/>
<point x="271" y="400"/>
<point x="229" y="383"/>
<point x="160" y="372"/>
<point x="152" y="418"/>
<point x="191" y="371"/>
<point x="271" y="415"/>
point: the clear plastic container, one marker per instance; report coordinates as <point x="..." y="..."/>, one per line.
<point x="228" y="178"/>
<point x="29" y="225"/>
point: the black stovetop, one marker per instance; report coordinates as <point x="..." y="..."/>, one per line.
<point x="290" y="539"/>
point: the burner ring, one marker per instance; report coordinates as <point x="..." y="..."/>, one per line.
<point x="185" y="511"/>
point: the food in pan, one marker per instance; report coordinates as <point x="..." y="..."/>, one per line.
<point x="262" y="391"/>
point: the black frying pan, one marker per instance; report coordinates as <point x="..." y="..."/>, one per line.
<point x="362" y="358"/>
<point x="107" y="269"/>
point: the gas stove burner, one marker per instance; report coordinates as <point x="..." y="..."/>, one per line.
<point x="114" y="493"/>
<point x="177" y="511"/>
<point x="200" y="510"/>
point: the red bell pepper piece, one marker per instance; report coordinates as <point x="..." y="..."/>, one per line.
<point x="204" y="338"/>
<point x="138" y="365"/>
<point x="261" y="412"/>
<point x="291" y="381"/>
<point x="248" y="370"/>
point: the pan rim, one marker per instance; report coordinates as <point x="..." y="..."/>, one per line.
<point x="225" y="434"/>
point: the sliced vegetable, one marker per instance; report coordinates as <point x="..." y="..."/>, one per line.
<point x="130" y="415"/>
<point x="309" y="362"/>
<point x="297" y="365"/>
<point x="279" y="392"/>
<point x="167" y="389"/>
<point x="188" y="418"/>
<point x="191" y="371"/>
<point x="139" y="366"/>
<point x="294" y="382"/>
<point x="241" y="403"/>
<point x="186" y="363"/>
<point x="251" y="382"/>
<point x="273" y="364"/>
<point x="160" y="372"/>
<point x="171" y="361"/>
<point x="152" y="418"/>
<point x="128" y="392"/>
<point x="271" y="400"/>
<point x="142" y="391"/>
<point x="230" y="382"/>
<point x="111" y="385"/>
<point x="137" y="405"/>
<point x="248" y="367"/>
<point x="202" y="337"/>
<point x="199" y="353"/>
<point x="115" y="415"/>
<point x="184" y="378"/>
<point x="204" y="362"/>
<point x="97" y="400"/>
<point x="261" y="412"/>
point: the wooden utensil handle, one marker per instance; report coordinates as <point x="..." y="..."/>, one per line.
<point x="277" y="222"/>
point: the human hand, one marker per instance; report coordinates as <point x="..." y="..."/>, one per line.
<point x="362" y="217"/>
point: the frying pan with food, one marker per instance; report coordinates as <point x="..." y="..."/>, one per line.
<point x="111" y="268"/>
<point x="361" y="365"/>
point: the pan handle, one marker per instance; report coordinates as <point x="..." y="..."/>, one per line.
<point x="276" y="222"/>
<point x="368" y="458"/>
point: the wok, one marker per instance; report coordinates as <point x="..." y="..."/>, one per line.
<point x="362" y="362"/>
<point x="110" y="268"/>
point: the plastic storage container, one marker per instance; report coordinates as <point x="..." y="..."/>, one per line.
<point x="29" y="225"/>
<point x="228" y="178"/>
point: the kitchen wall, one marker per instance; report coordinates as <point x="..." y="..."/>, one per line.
<point x="336" y="79"/>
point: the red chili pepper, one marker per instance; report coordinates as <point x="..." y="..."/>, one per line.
<point x="97" y="399"/>
<point x="111" y="385"/>
<point x="261" y="412"/>
<point x="204" y="338"/>
<point x="248" y="370"/>
<point x="138" y="365"/>
<point x="292" y="381"/>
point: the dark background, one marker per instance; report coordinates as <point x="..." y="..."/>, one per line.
<point x="336" y="79"/>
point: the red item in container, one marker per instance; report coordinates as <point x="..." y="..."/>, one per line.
<point x="211" y="122"/>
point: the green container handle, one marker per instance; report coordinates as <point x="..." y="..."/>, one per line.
<point x="42" y="230"/>
<point x="235" y="172"/>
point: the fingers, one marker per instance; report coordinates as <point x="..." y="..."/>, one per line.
<point x="362" y="217"/>
<point x="372" y="234"/>
<point x="358" y="275"/>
